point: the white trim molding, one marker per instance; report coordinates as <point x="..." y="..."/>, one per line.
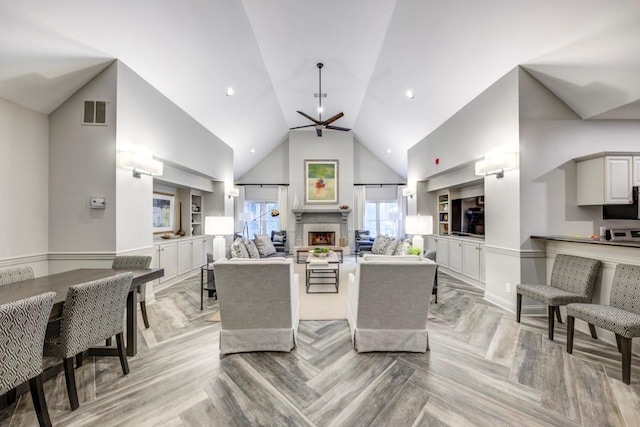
<point x="24" y="259"/>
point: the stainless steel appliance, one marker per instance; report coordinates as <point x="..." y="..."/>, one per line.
<point x="629" y="211"/>
<point x="624" y="234"/>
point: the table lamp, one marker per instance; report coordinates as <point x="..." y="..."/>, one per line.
<point x="419" y="225"/>
<point x="218" y="226"/>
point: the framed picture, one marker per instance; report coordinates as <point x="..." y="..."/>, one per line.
<point x="321" y="181"/>
<point x="163" y="212"/>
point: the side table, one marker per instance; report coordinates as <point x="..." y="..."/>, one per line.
<point x="208" y="285"/>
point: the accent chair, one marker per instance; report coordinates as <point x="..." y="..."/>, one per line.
<point x="621" y="316"/>
<point x="389" y="303"/>
<point x="573" y="279"/>
<point x="364" y="241"/>
<point x="259" y="305"/>
<point x="432" y="256"/>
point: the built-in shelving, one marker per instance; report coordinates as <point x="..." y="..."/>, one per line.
<point x="196" y="214"/>
<point x="443" y="213"/>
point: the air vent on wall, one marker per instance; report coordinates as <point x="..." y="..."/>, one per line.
<point x="95" y="113"/>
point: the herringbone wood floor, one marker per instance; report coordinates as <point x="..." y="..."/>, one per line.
<point x="483" y="369"/>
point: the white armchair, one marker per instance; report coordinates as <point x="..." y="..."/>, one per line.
<point x="259" y="304"/>
<point x="389" y="303"/>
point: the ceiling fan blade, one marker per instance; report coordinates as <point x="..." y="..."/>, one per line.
<point x="300" y="127"/>
<point x="338" y="128"/>
<point x="318" y="132"/>
<point x="310" y="118"/>
<point x="334" y="118"/>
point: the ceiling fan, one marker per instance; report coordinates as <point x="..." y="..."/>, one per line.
<point x="320" y="124"/>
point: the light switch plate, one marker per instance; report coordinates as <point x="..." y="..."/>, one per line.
<point x="97" y="202"/>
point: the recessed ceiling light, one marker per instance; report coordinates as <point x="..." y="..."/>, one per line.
<point x="320" y="109"/>
<point x="410" y="94"/>
<point x="253" y="150"/>
<point x="230" y="91"/>
<point x="389" y="150"/>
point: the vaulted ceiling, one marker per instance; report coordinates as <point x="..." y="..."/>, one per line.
<point x="446" y="52"/>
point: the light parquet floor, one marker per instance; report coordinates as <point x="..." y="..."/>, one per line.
<point x="483" y="369"/>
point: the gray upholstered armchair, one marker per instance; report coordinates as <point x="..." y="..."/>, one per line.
<point x="389" y="303"/>
<point x="259" y="306"/>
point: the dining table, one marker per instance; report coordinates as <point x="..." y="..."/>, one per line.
<point x="61" y="282"/>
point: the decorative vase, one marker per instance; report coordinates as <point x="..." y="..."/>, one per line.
<point x="180" y="231"/>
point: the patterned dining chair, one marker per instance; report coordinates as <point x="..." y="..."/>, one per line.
<point x="135" y="262"/>
<point x="92" y="312"/>
<point x="23" y="324"/>
<point x="16" y="274"/>
<point x="621" y="316"/>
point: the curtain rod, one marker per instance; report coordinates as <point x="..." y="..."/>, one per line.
<point x="262" y="185"/>
<point x="380" y="185"/>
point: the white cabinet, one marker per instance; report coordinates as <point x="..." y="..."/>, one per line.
<point x="197" y="253"/>
<point x="168" y="259"/>
<point x="482" y="264"/>
<point x="455" y="255"/>
<point x="442" y="255"/>
<point x="431" y="243"/>
<point x="471" y="260"/>
<point x="605" y="180"/>
<point x="184" y="256"/>
<point x="636" y="171"/>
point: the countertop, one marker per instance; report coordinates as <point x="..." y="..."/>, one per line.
<point x="589" y="240"/>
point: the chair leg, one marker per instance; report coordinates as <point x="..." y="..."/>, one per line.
<point x="122" y="353"/>
<point x="11" y="396"/>
<point x="626" y="359"/>
<point x="39" y="402"/>
<point x="145" y="319"/>
<point x="518" y="307"/>
<point x="592" y="329"/>
<point x="570" y="324"/>
<point x="551" y="310"/>
<point x="70" y="377"/>
<point x="108" y="342"/>
<point x="558" y="315"/>
<point x="619" y="343"/>
<point x="79" y="360"/>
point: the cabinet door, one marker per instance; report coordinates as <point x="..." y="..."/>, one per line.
<point x="636" y="171"/>
<point x="471" y="260"/>
<point x="197" y="253"/>
<point x="168" y="259"/>
<point x="482" y="264"/>
<point x="455" y="255"/>
<point x="618" y="174"/>
<point x="184" y="257"/>
<point x="442" y="254"/>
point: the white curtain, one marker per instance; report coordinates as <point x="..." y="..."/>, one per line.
<point x="240" y="208"/>
<point x="283" y="206"/>
<point x="402" y="210"/>
<point x="359" y="201"/>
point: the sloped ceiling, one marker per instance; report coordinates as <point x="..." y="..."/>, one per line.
<point x="585" y="51"/>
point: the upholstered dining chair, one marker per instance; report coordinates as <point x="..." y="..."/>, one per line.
<point x="92" y="312"/>
<point x="23" y="324"/>
<point x="16" y="274"/>
<point x="621" y="316"/>
<point x="573" y="279"/>
<point x="135" y="262"/>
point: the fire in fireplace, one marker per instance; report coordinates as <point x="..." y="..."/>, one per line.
<point x="322" y="238"/>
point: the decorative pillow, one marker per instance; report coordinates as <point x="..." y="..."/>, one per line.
<point x="403" y="246"/>
<point x="278" y="238"/>
<point x="265" y="245"/>
<point x="251" y="248"/>
<point x="238" y="249"/>
<point x="380" y="243"/>
<point x="391" y="247"/>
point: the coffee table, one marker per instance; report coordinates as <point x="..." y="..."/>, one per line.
<point x="323" y="271"/>
<point x="302" y="252"/>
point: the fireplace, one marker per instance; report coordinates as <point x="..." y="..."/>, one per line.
<point x="322" y="238"/>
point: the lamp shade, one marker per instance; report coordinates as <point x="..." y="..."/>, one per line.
<point x="419" y="224"/>
<point x="218" y="225"/>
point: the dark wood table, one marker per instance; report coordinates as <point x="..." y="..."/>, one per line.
<point x="61" y="282"/>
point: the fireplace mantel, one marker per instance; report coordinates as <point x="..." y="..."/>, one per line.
<point x="321" y="216"/>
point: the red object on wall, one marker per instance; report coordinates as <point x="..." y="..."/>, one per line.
<point x="437" y="160"/>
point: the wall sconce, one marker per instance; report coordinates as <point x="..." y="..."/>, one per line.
<point x="140" y="164"/>
<point x="232" y="192"/>
<point x="496" y="164"/>
<point x="409" y="192"/>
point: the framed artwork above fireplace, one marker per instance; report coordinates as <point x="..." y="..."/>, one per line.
<point x="321" y="181"/>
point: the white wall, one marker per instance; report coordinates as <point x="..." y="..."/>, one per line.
<point x="273" y="169"/>
<point x="369" y="169"/>
<point x="24" y="176"/>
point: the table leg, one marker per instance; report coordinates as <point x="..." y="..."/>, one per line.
<point x="202" y="289"/>
<point x="132" y="324"/>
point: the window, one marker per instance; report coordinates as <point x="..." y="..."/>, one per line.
<point x="381" y="218"/>
<point x="263" y="222"/>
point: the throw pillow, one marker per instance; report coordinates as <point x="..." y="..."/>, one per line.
<point x="278" y="238"/>
<point x="252" y="249"/>
<point x="238" y="249"/>
<point x="265" y="245"/>
<point x="380" y="243"/>
<point x="390" y="248"/>
<point x="403" y="246"/>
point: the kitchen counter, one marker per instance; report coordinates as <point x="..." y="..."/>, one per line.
<point x="589" y="240"/>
